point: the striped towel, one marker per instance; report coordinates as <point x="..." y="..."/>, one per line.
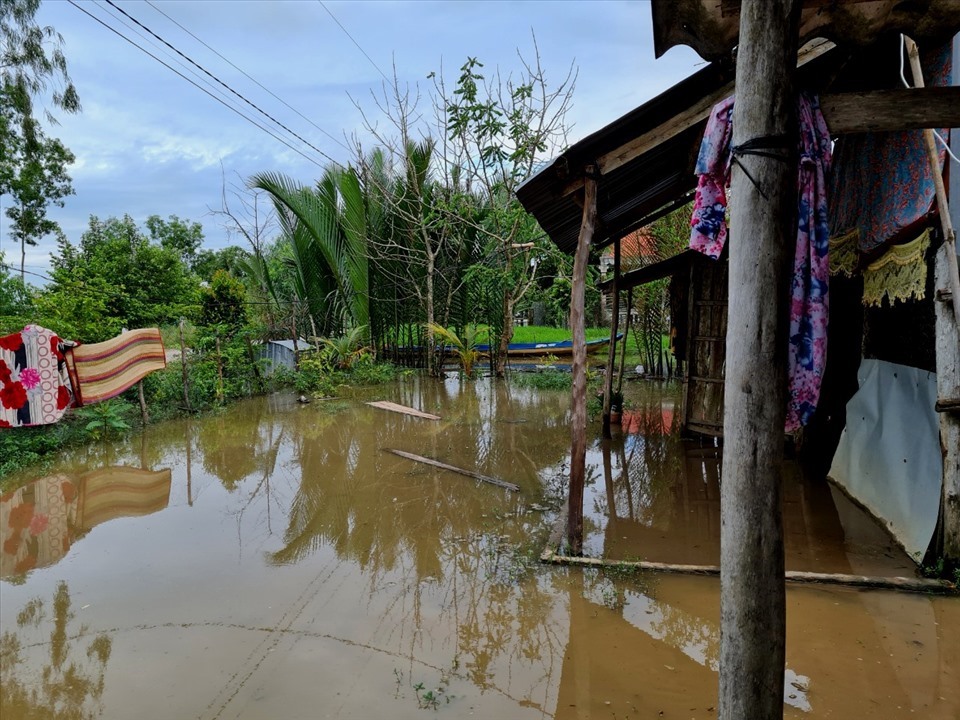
<point x="104" y="370"/>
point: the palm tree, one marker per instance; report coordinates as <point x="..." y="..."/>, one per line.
<point x="465" y="347"/>
<point x="326" y="231"/>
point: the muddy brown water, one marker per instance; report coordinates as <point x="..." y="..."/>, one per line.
<point x="274" y="562"/>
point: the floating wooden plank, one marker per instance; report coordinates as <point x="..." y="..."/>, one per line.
<point x="924" y="585"/>
<point x="443" y="466"/>
<point x="402" y="409"/>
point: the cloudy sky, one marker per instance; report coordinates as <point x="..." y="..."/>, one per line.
<point x="148" y="142"/>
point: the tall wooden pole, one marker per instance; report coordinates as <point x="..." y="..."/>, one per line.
<point x="948" y="359"/>
<point x="578" y="420"/>
<point x="762" y="238"/>
<point x="946" y="223"/>
<point x="612" y="348"/>
<point x="183" y="368"/>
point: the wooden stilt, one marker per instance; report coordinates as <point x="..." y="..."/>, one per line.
<point x="762" y="238"/>
<point x="612" y="348"/>
<point x="578" y="420"/>
<point x="623" y="344"/>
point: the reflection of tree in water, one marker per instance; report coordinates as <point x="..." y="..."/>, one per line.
<point x="231" y="444"/>
<point x="438" y="532"/>
<point x="70" y="687"/>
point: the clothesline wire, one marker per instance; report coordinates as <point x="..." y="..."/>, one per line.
<point x="903" y="77"/>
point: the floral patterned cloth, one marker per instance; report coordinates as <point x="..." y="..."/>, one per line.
<point x="808" y="292"/>
<point x="34" y="384"/>
<point x="882" y="184"/>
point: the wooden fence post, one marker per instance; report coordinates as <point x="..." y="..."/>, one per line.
<point x="578" y="420"/>
<point x="183" y="366"/>
<point x="219" y="371"/>
<point x="762" y="236"/>
<point x="144" y="416"/>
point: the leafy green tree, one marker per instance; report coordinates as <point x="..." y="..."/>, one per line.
<point x="223" y="302"/>
<point x="134" y="283"/>
<point x="232" y="258"/>
<point x="181" y="236"/>
<point x="38" y="180"/>
<point x="32" y="166"/>
<point x="499" y="129"/>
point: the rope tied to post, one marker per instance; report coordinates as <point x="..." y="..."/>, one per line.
<point x="776" y="147"/>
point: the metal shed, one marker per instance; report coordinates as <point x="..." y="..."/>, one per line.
<point x="281" y="353"/>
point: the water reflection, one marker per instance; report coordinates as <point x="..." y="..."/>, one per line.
<point x="298" y="566"/>
<point x="72" y="665"/>
<point x="40" y="521"/>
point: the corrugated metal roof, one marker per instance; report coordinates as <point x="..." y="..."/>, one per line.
<point x="288" y="344"/>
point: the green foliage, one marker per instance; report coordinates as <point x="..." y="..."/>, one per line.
<point x="465" y="348"/>
<point x="342" y="352"/>
<point x="223" y="302"/>
<point x="550" y="379"/>
<point x="325" y="232"/>
<point x="117" y="278"/>
<point x="182" y="237"/>
<point x="105" y="419"/>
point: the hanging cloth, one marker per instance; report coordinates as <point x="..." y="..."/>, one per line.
<point x="901" y="274"/>
<point x="882" y="183"/>
<point x="845" y="253"/>
<point x="808" y="292"/>
<point x="35" y="388"/>
<point x="104" y="370"/>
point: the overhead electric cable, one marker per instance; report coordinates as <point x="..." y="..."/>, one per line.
<point x="377" y="67"/>
<point x="221" y="82"/>
<point x="248" y="76"/>
<point x="150" y="41"/>
<point x="219" y="100"/>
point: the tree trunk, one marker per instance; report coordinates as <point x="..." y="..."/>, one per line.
<point x="506" y="334"/>
<point x="430" y="315"/>
<point x="578" y="420"/>
<point x="762" y="237"/>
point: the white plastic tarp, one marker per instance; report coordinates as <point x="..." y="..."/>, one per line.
<point x="889" y="454"/>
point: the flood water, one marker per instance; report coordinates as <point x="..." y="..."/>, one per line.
<point x="274" y="561"/>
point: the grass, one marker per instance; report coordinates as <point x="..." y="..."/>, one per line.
<point x="540" y="334"/>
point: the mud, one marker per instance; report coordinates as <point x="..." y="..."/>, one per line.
<point x="274" y="562"/>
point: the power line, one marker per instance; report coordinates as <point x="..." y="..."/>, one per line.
<point x="147" y="39"/>
<point x="249" y="77"/>
<point x="377" y="67"/>
<point x="221" y="82"/>
<point x="202" y="89"/>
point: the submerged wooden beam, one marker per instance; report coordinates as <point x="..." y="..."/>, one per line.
<point x="924" y="585"/>
<point x="452" y="468"/>
<point x="402" y="409"/>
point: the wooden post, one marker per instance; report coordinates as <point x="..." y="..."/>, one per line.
<point x="578" y="420"/>
<point x="296" y="346"/>
<point x="948" y="363"/>
<point x="762" y="237"/>
<point x="612" y="348"/>
<point x="948" y="387"/>
<point x="183" y="366"/>
<point x="949" y="236"/>
<point x="144" y="416"/>
<point x="623" y="346"/>
<point x="219" y="371"/>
